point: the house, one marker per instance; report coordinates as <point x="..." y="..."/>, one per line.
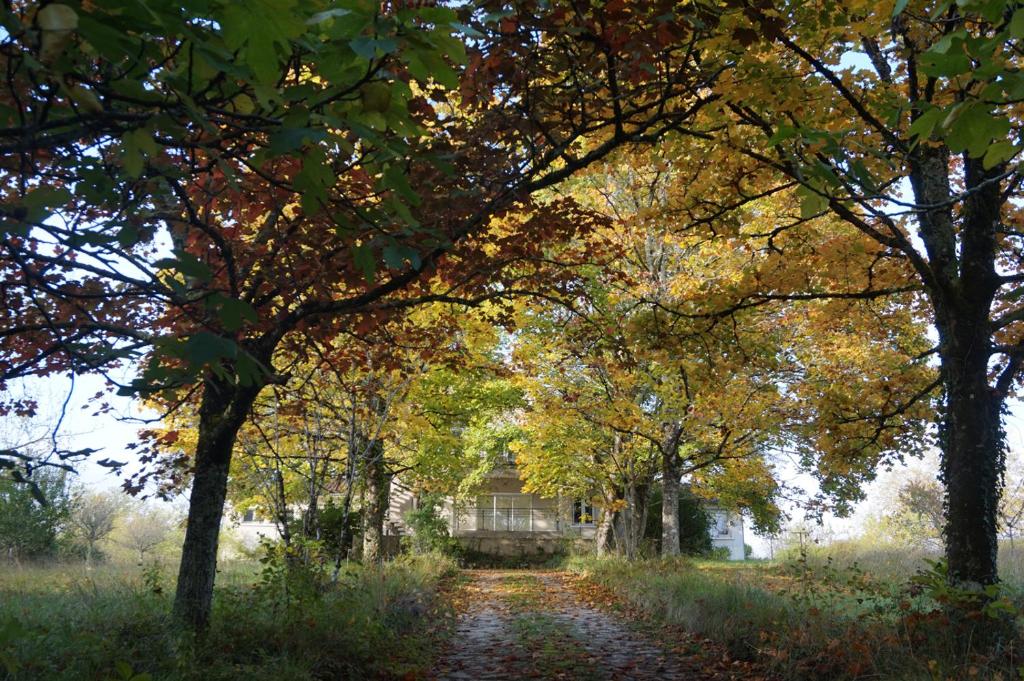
<point x="504" y="520"/>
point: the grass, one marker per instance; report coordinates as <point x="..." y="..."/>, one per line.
<point x="811" y="619"/>
<point x="64" y="623"/>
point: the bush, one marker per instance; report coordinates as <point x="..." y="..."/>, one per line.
<point x="719" y="553"/>
<point x="429" y="530"/>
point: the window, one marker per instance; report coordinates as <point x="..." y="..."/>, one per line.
<point x="249" y="516"/>
<point x="721" y="527"/>
<point x="582" y="512"/>
<point x="505" y="512"/>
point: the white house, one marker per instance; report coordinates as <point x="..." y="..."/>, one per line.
<point x="504" y="520"/>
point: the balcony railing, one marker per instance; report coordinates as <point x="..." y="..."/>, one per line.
<point x="475" y="519"/>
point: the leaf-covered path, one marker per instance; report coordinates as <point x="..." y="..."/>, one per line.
<point x="518" y="624"/>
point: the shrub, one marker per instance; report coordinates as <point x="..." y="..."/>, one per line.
<point x="429" y="530"/>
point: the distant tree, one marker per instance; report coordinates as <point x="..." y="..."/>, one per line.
<point x="922" y="500"/>
<point x="911" y="512"/>
<point x="92" y="517"/>
<point x="29" y="528"/>
<point x="146" y="529"/>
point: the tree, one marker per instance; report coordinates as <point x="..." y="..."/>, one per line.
<point x="326" y="131"/>
<point x="901" y="125"/>
<point x="144" y="529"/>
<point x="29" y="528"/>
<point x="92" y="516"/>
<point x="695" y="339"/>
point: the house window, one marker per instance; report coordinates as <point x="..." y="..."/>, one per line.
<point x="721" y="527"/>
<point x="582" y="512"/>
<point x="249" y="516"/>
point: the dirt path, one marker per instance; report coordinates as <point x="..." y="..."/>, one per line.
<point x="532" y="625"/>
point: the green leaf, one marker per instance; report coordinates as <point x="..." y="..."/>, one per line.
<point x="366" y="47"/>
<point x="233" y="313"/>
<point x="394" y="178"/>
<point x="188" y="264"/>
<point x="972" y="127"/>
<point x="265" y="28"/>
<point x="136" y="145"/>
<point x="290" y="139"/>
<point x="782" y="133"/>
<point x="321" y="17"/>
<point x="128" y="236"/>
<point x="124" y="670"/>
<point x="362" y="257"/>
<point x="466" y="30"/>
<point x="924" y="125"/>
<point x="313" y="180"/>
<point x="396" y="255"/>
<point x="247" y="369"/>
<point x="205" y="348"/>
<point x="898" y="8"/>
<point x="1000" y="152"/>
<point x="945" y="65"/>
<point x="1016" y="24"/>
<point x="812" y="203"/>
<point x="45" y="197"/>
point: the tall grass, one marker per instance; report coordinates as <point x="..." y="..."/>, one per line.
<point x="115" y="623"/>
<point x="804" y="621"/>
<point x="895" y="562"/>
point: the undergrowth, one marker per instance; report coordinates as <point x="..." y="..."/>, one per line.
<point x="803" y="622"/>
<point x="270" y="621"/>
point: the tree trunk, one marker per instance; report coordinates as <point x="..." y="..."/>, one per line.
<point x="629" y="522"/>
<point x="972" y="468"/>
<point x="962" y="285"/>
<point x="641" y="497"/>
<point x="351" y="469"/>
<point x="376" y="505"/>
<point x="221" y="414"/>
<point x="605" y="530"/>
<point x="670" y="504"/>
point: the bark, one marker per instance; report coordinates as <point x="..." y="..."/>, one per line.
<point x="629" y="522"/>
<point x="670" y="506"/>
<point x="377" y="493"/>
<point x="346" y="512"/>
<point x="972" y="467"/>
<point x="670" y="489"/>
<point x="221" y="414"/>
<point x="962" y="281"/>
<point x="641" y="497"/>
<point x="603" y="533"/>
